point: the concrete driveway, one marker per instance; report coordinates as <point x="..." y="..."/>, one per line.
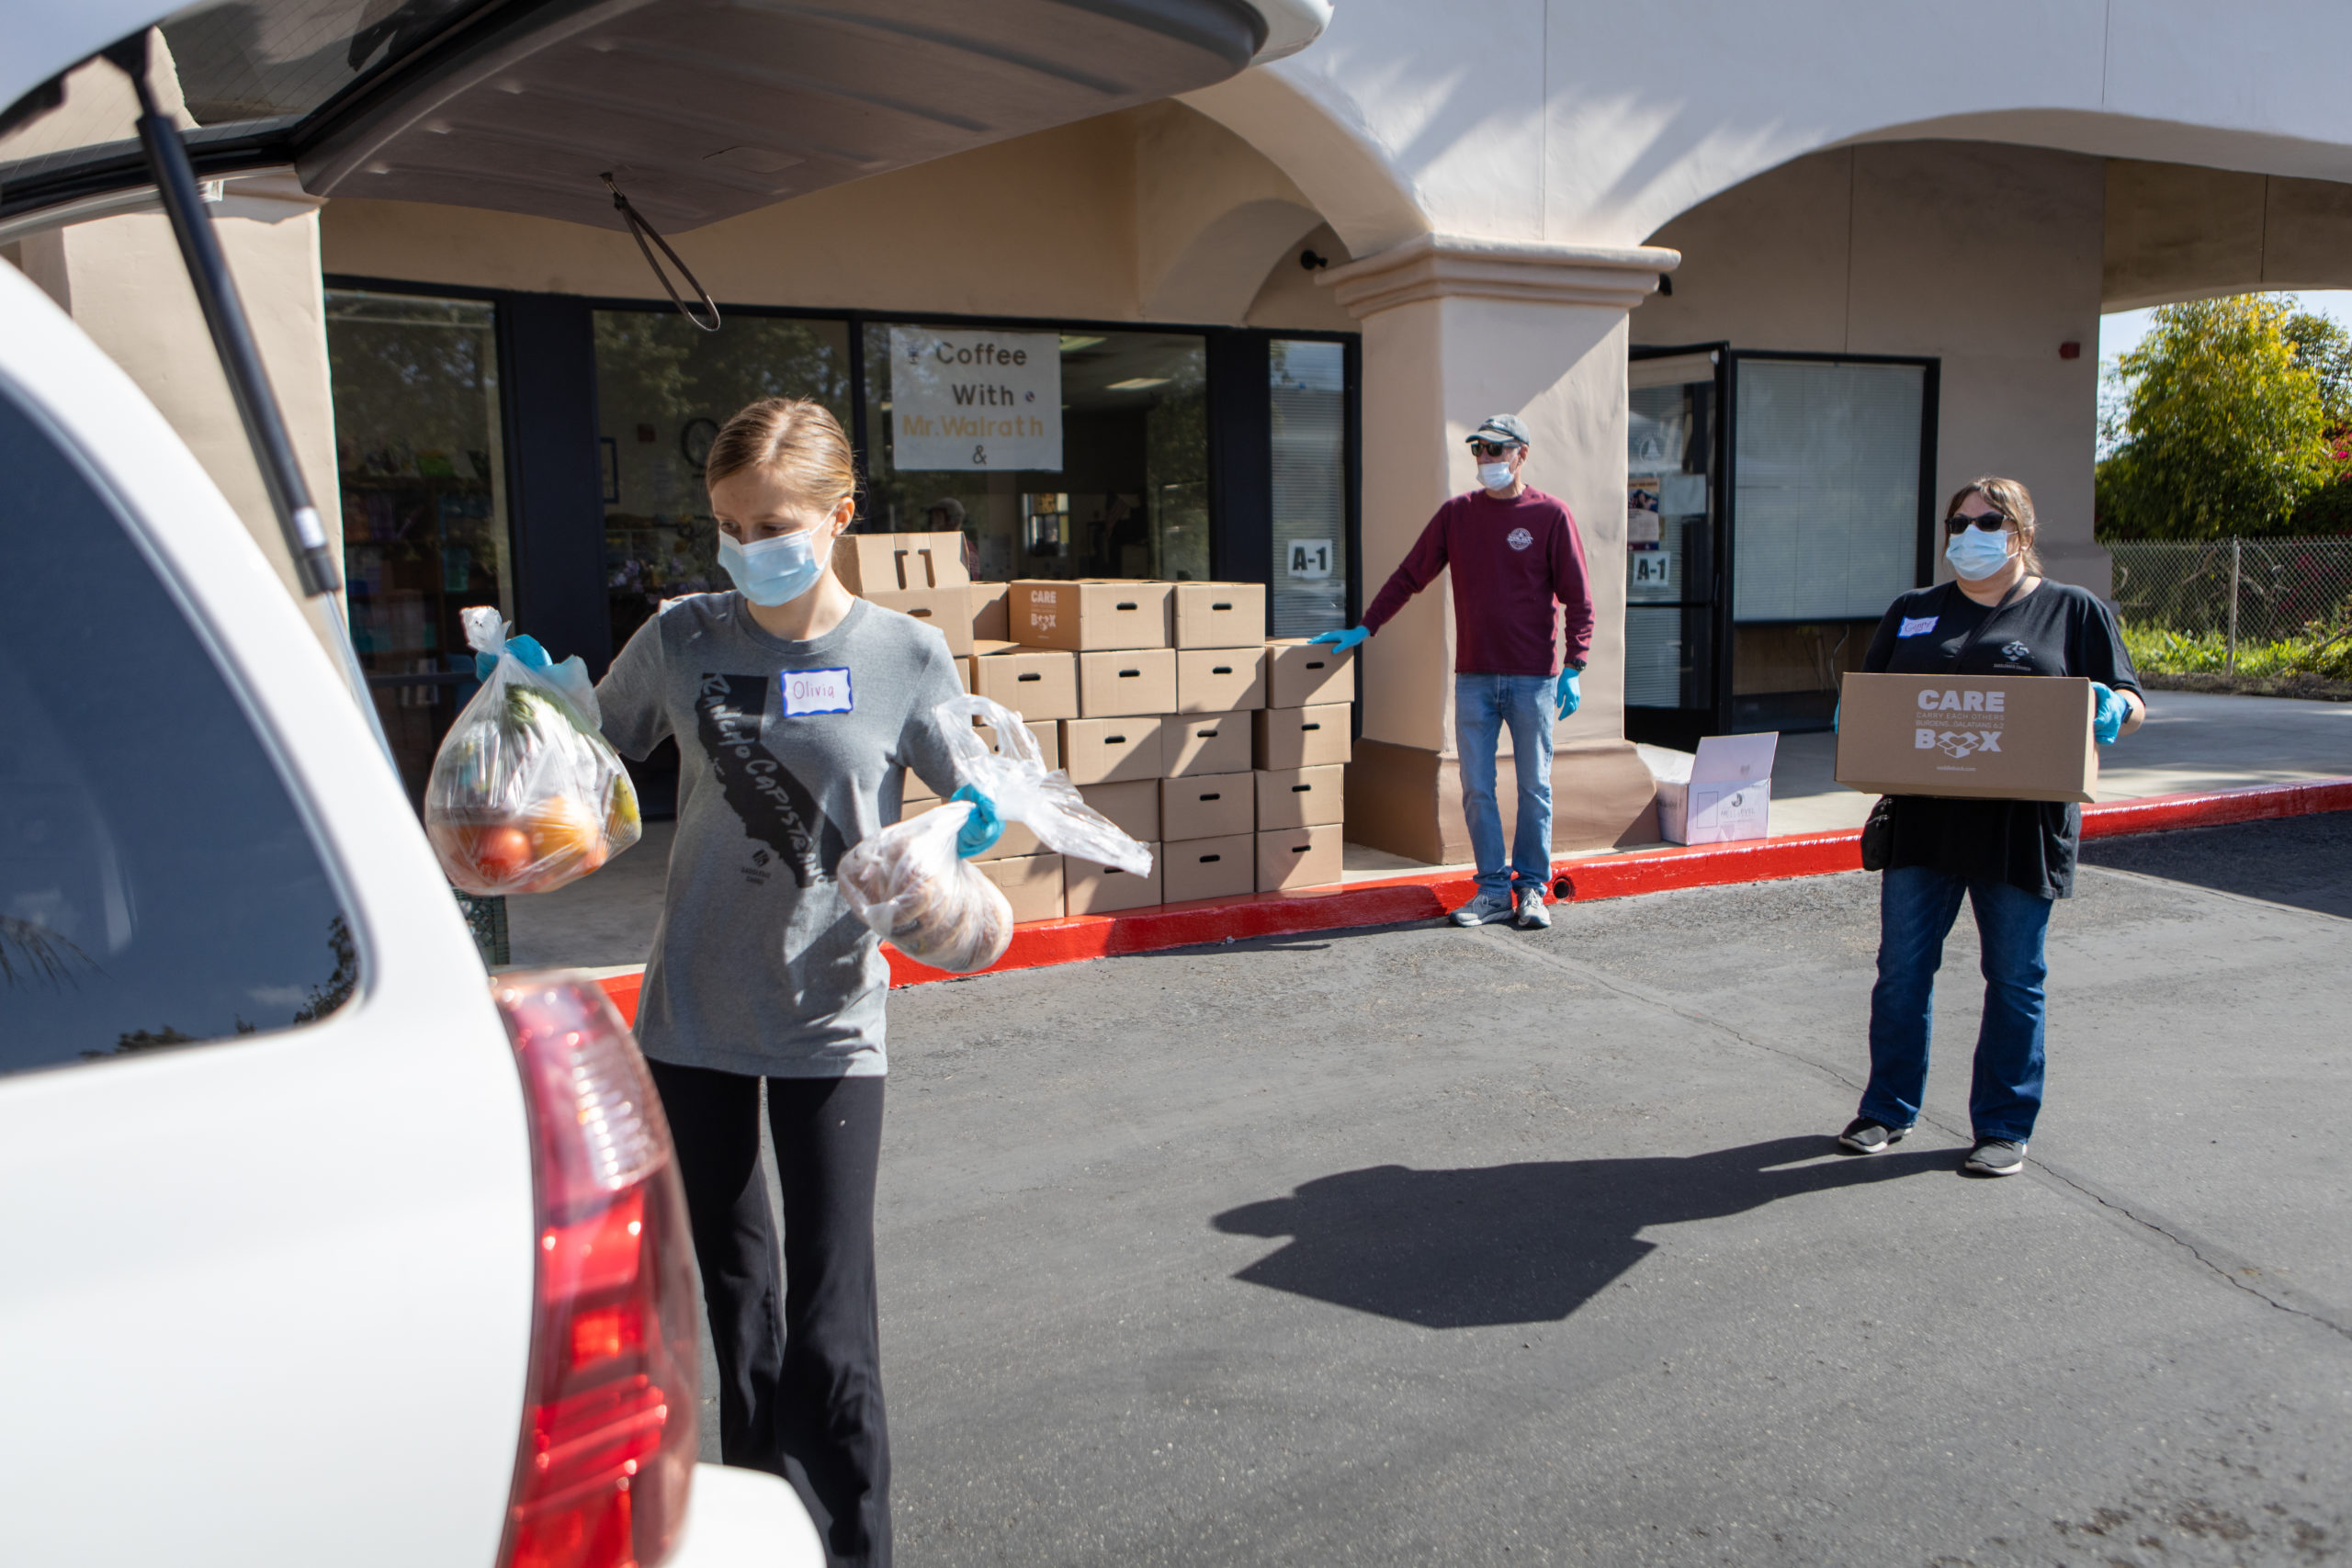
<point x="1421" y="1245"/>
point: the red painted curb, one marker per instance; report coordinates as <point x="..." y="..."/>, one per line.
<point x="1396" y="900"/>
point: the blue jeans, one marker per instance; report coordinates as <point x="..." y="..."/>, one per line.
<point x="1482" y="704"/>
<point x="1916" y="905"/>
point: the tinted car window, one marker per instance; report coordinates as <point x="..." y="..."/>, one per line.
<point x="157" y="887"/>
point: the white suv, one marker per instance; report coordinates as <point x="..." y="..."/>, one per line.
<point x="353" y="1289"/>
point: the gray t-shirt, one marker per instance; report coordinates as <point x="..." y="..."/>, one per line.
<point x="790" y="752"/>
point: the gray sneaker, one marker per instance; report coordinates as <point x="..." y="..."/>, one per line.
<point x="1483" y="909"/>
<point x="1535" y="914"/>
<point x="1865" y="1136"/>
<point x="1994" y="1157"/>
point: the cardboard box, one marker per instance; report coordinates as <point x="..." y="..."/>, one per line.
<point x="1220" y="615"/>
<point x="1719" y="797"/>
<point x="1298" y="857"/>
<point x="1133" y="807"/>
<point x="1301" y="737"/>
<point x="1223" y="867"/>
<point x="988" y="619"/>
<point x="1209" y="806"/>
<point x="1301" y="798"/>
<point x="949" y="609"/>
<point x="1978" y="737"/>
<point x="1032" y="885"/>
<point x="1220" y="680"/>
<point x="1205" y="744"/>
<point x="1090" y="889"/>
<point x="1045" y="731"/>
<point x="913" y="791"/>
<point x="1302" y="674"/>
<point x="1017" y="842"/>
<point x="868" y="564"/>
<point x="1036" y="683"/>
<point x="1111" y="751"/>
<point x="1090" y="615"/>
<point x="1137" y="680"/>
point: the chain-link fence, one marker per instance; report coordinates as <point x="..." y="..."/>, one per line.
<point x="2245" y="593"/>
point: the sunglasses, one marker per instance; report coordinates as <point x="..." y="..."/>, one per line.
<point x="1991" y="522"/>
<point x="1490" y="450"/>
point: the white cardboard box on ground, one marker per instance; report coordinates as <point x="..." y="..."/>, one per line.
<point x="1719" y="797"/>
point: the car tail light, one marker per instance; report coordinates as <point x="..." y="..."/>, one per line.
<point x="613" y="1406"/>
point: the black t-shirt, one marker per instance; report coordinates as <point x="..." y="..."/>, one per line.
<point x="2055" y="630"/>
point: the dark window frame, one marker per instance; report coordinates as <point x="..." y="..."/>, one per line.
<point x="541" y="396"/>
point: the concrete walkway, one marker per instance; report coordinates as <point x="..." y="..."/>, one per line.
<point x="2192" y="741"/>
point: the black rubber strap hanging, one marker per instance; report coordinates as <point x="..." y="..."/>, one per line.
<point x="642" y="232"/>
<point x="232" y="335"/>
<point x="232" y="340"/>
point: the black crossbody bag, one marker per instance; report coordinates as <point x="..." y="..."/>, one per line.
<point x="1878" y="833"/>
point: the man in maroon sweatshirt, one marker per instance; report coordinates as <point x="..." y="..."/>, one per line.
<point x="1518" y="565"/>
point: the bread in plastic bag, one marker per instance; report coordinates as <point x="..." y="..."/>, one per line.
<point x="908" y="883"/>
<point x="525" y="794"/>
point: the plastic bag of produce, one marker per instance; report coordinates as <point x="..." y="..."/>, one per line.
<point x="909" y="885"/>
<point x="526" y="794"/>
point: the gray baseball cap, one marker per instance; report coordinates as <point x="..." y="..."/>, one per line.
<point x="1501" y="427"/>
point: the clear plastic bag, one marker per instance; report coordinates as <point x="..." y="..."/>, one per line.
<point x="525" y="794"/>
<point x="908" y="883"/>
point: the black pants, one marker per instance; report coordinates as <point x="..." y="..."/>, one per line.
<point x="799" y="1393"/>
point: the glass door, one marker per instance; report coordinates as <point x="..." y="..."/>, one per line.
<point x="1673" y="403"/>
<point x="421" y="471"/>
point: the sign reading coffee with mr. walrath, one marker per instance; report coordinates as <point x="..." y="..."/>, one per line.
<point x="974" y="400"/>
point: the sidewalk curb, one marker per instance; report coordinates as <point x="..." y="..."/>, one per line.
<point x="1398" y="900"/>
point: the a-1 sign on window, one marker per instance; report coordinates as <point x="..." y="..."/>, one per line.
<point x="974" y="400"/>
<point x="1650" y="569"/>
<point x="1310" y="559"/>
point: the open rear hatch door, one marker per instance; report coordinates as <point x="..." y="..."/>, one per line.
<point x="702" y="108"/>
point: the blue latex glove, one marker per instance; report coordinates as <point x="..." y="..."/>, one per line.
<point x="1353" y="637"/>
<point x="2106" y="718"/>
<point x="524" y="649"/>
<point x="1569" y="695"/>
<point x="1836" y="713"/>
<point x="982" y="829"/>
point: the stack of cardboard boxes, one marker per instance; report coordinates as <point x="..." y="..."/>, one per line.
<point x="1169" y="709"/>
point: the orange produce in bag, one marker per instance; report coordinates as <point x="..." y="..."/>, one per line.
<point x="525" y="794"/>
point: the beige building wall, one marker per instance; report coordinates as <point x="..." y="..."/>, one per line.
<point x="2177" y="231"/>
<point x="1989" y="258"/>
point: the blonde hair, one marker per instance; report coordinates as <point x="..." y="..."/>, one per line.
<point x="2012" y="501"/>
<point x="799" y="441"/>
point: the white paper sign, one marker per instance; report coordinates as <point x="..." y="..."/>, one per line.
<point x="974" y="400"/>
<point x="1650" y="569"/>
<point x="1310" y="559"/>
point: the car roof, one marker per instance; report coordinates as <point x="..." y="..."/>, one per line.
<point x="702" y="109"/>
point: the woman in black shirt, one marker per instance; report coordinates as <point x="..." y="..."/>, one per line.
<point x="2010" y="858"/>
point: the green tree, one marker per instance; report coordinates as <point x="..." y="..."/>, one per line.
<point x="2218" y="419"/>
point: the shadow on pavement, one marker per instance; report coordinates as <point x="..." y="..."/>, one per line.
<point x="1521" y="1242"/>
<point x="2302" y="860"/>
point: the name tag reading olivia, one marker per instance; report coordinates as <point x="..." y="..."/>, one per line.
<point x="1916" y="625"/>
<point x="815" y="691"/>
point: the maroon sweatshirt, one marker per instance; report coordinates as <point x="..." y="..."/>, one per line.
<point x="1517" y="564"/>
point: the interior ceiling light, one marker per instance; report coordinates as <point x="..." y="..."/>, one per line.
<point x="1137" y="384"/>
<point x="1072" y="345"/>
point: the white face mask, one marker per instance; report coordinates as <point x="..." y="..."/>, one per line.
<point x="1978" y="555"/>
<point x="1495" y="476"/>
